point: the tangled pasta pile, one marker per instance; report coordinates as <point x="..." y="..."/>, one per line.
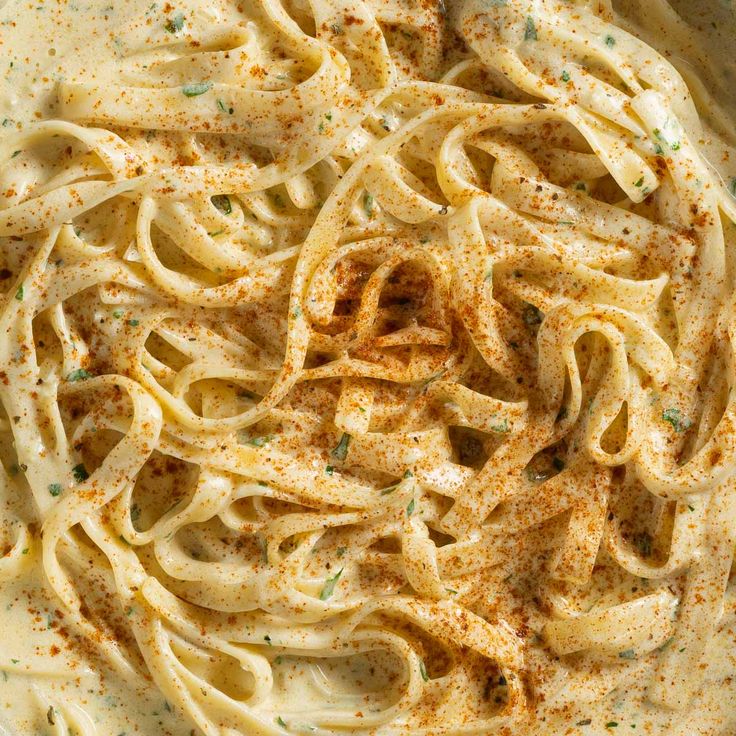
<point x="370" y="367"/>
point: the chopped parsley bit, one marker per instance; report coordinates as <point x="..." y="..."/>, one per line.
<point x="25" y="551"/>
<point x="530" y="30"/>
<point x="584" y="722"/>
<point x="196" y="89"/>
<point x="674" y="417"/>
<point x="501" y="428"/>
<point x="390" y="489"/>
<point x="329" y="587"/>
<point x="19" y="293"/>
<point x="451" y="591"/>
<point x="55" y="489"/>
<point x="612" y="724"/>
<point x="531" y="315"/>
<point x="610" y="41"/>
<point x="692" y="508"/>
<point x="297" y="312"/>
<point x="15" y="661"/>
<point x="79" y="375"/>
<point x="639" y="182"/>
<point x="565" y="76"/>
<point x="410" y="507"/>
<point x="221" y="106"/>
<point x="259" y="441"/>
<point x="80" y="473"/>
<point x="675" y="145"/>
<point x="643" y="543"/>
<point x="368" y="204"/>
<point x="682" y="650"/>
<point x="328" y="115"/>
<point x="175" y="24"/>
<point x="118" y="313"/>
<point x="223" y="203"/>
<point x="263" y="546"/>
<point x="341" y="450"/>
<point x="658" y="149"/>
<point x="627" y="654"/>
<point x="267" y="639"/>
<point x="132" y="322"/>
<point x="341" y="551"/>
<point x="321" y="127"/>
<point x="408" y="474"/>
<point x="329" y="470"/>
<point x="732" y="186"/>
<point x="281" y="722"/>
<point x="423" y="671"/>
<point x="15" y="153"/>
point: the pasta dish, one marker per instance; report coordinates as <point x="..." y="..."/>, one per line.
<point x="367" y="367"/>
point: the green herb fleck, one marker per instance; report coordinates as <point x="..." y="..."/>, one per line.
<point x="221" y="106"/>
<point x="423" y="671"/>
<point x="675" y="418"/>
<point x="341" y="450"/>
<point x="196" y="89"/>
<point x="368" y="204"/>
<point x="639" y="182"/>
<point x="531" y="315"/>
<point x="341" y="551"/>
<point x="267" y="639"/>
<point x="501" y="428"/>
<point x="80" y="473"/>
<point x="610" y="41"/>
<point x="118" y="313"/>
<point x="174" y="24"/>
<point x="281" y="722"/>
<point x="55" y="489"/>
<point x="80" y="374"/>
<point x="329" y="469"/>
<point x="259" y="441"/>
<point x="132" y="322"/>
<point x="223" y="203"/>
<point x="627" y="654"/>
<point x="530" y="30"/>
<point x="565" y="76"/>
<point x="410" y="507"/>
<point x="329" y="587"/>
<point x="19" y="293"/>
<point x="643" y="543"/>
<point x="611" y="724"/>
